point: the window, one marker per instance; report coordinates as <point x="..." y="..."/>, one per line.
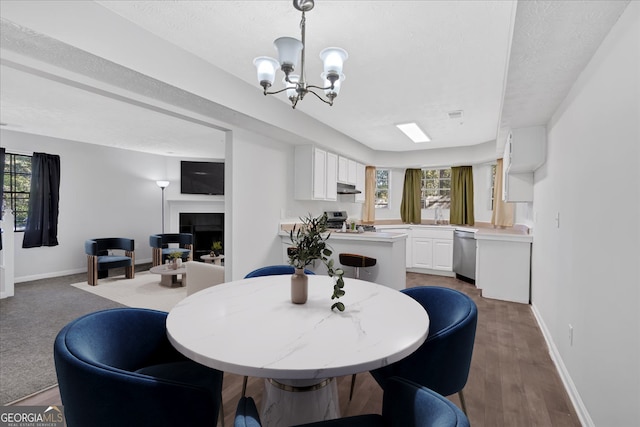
<point x="436" y="188"/>
<point x="382" y="188"/>
<point x="17" y="185"/>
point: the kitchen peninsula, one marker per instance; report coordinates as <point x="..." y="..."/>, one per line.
<point x="389" y="249"/>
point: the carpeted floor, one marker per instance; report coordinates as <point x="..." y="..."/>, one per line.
<point x="30" y="321"/>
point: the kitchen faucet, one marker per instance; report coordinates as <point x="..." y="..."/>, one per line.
<point x="438" y="219"/>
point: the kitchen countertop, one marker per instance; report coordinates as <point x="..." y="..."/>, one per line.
<point x="372" y="236"/>
<point x="482" y="230"/>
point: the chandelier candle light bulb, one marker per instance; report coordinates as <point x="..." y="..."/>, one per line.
<point x="290" y="51"/>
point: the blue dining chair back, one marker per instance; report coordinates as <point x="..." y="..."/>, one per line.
<point x="443" y="361"/>
<point x="404" y="404"/>
<point x="274" y="270"/>
<point x="117" y="367"/>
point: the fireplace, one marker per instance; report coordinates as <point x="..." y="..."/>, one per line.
<point x="206" y="228"/>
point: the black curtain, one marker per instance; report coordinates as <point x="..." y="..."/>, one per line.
<point x="2" y="151"/>
<point x="42" y="219"/>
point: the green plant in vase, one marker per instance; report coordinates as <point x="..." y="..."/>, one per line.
<point x="175" y="257"/>
<point x="216" y="248"/>
<point x="309" y="244"/>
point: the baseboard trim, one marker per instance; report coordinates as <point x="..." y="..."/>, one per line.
<point x="17" y="401"/>
<point x="65" y="272"/>
<point x="430" y="271"/>
<point x="572" y="391"/>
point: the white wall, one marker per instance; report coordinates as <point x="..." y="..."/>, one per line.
<point x="261" y="186"/>
<point x="104" y="192"/>
<point x="586" y="273"/>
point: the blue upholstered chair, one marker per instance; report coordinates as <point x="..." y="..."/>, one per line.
<point x="404" y="404"/>
<point x="443" y="361"/>
<point x="274" y="270"/>
<point x="117" y="368"/>
<point x="164" y="244"/>
<point x="99" y="260"/>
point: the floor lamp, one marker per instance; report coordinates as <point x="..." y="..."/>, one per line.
<point x="162" y="185"/>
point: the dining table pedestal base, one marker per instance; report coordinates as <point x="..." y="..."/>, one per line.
<point x="292" y="402"/>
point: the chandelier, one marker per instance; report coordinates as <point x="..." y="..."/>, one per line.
<point x="289" y="51"/>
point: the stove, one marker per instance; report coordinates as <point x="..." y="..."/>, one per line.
<point x="335" y="219"/>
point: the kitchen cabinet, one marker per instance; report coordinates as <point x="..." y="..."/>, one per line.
<point x="432" y="248"/>
<point x="314" y="174"/>
<point x="408" y="242"/>
<point x="319" y="184"/>
<point x="352" y="175"/>
<point x="517" y="187"/>
<point x="525" y="149"/>
<point x="332" y="176"/>
<point x="503" y="266"/>
<point x="343" y="169"/>
<point x="347" y="171"/>
<point x="422" y="250"/>
<point x="524" y="152"/>
<point x="443" y="254"/>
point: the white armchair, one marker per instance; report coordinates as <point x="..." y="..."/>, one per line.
<point x="201" y="276"/>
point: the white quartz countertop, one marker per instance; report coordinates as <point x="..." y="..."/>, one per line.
<point x="250" y="327"/>
<point x="372" y="236"/>
<point x="482" y="231"/>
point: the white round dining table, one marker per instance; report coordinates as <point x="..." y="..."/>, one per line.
<point x="250" y="327"/>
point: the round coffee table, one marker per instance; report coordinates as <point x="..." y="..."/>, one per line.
<point x="169" y="276"/>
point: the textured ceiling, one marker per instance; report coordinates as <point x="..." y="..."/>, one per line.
<point x="409" y="61"/>
<point x="552" y="43"/>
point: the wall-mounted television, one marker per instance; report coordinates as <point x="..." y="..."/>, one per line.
<point x="202" y="178"/>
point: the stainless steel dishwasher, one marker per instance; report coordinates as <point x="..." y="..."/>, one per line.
<point x="464" y="255"/>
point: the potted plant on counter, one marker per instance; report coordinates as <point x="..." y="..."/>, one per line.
<point x="309" y="244"/>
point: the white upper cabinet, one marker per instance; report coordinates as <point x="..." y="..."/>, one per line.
<point x="332" y="176"/>
<point x="352" y="176"/>
<point x="315" y="173"/>
<point x="347" y="171"/>
<point x="526" y="149"/>
<point x="319" y="174"/>
<point x="524" y="152"/>
<point x="343" y="169"/>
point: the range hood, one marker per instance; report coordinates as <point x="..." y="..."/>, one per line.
<point x="347" y="189"/>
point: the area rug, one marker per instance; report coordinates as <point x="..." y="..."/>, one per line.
<point x="143" y="291"/>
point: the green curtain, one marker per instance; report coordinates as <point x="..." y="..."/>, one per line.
<point x="410" y="209"/>
<point x="461" y="211"/>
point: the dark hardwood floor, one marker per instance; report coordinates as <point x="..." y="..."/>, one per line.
<point x="513" y="381"/>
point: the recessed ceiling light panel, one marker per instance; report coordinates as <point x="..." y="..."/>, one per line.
<point x="413" y="131"/>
